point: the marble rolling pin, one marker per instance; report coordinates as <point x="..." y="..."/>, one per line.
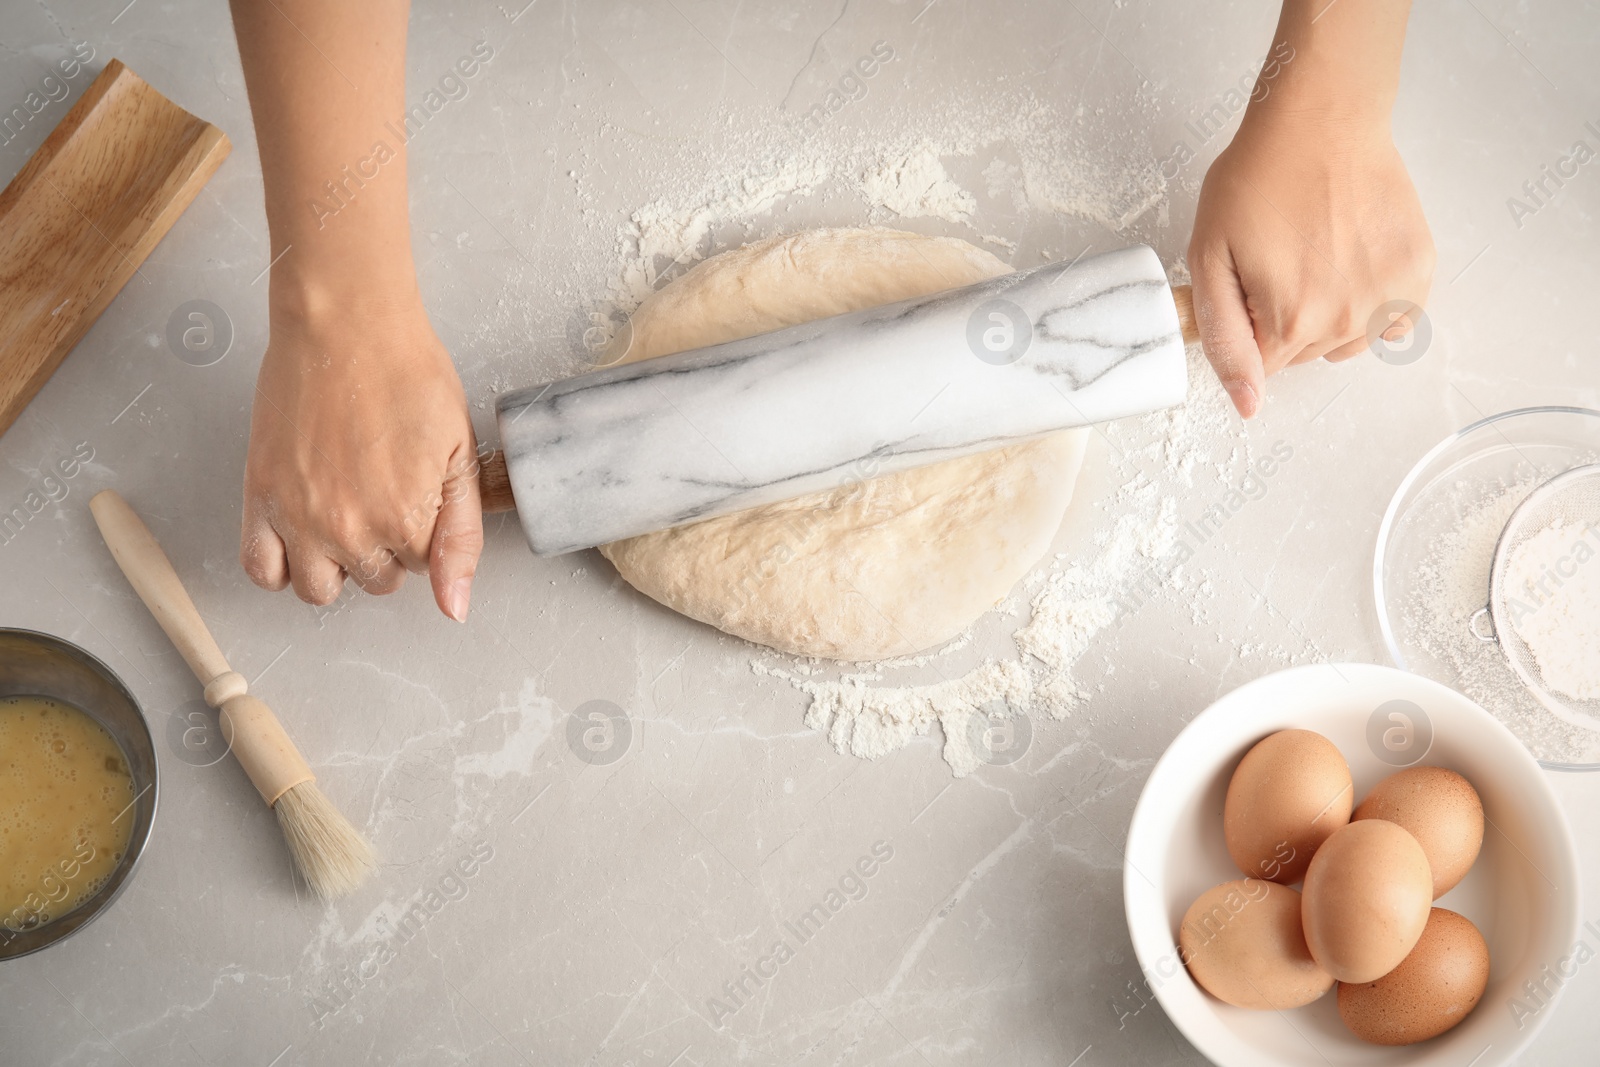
<point x="630" y="449"/>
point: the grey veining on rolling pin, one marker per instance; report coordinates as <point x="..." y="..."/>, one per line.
<point x="650" y="445"/>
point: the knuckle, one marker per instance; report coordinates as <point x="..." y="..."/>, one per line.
<point x="1348" y="322"/>
<point x="259" y="569"/>
<point x="384" y="582"/>
<point x="319" y="594"/>
<point x="1303" y="325"/>
<point x="405" y="525"/>
<point x="347" y="532"/>
<point x="1274" y="339"/>
<point x="1424" y="257"/>
<point x="370" y="566"/>
<point x="468" y="534"/>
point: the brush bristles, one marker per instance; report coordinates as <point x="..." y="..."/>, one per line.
<point x="332" y="857"/>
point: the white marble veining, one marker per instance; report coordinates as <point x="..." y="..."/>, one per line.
<point x="617" y="900"/>
<point x="650" y="445"/>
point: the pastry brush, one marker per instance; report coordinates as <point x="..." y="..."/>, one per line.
<point x="330" y="854"/>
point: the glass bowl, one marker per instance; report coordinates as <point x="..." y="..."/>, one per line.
<point x="1431" y="569"/>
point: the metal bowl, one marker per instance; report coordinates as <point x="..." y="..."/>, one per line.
<point x="36" y="664"/>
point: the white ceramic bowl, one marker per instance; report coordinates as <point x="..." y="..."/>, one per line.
<point x="1522" y="893"/>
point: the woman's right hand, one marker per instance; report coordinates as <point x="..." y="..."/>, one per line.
<point x="1309" y="239"/>
<point x="1304" y="234"/>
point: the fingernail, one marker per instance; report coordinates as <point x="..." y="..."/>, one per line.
<point x="1244" y="398"/>
<point x="457" y="599"/>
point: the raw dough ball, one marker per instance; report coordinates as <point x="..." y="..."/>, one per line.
<point x="888" y="567"/>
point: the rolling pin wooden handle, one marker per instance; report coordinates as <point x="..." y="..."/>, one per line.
<point x="253" y="732"/>
<point x="1183" y="297"/>
<point x="494" y="484"/>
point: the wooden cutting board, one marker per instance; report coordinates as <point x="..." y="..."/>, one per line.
<point x="84" y="212"/>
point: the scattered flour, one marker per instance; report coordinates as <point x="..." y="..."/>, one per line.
<point x="677" y="234"/>
<point x="916" y="185"/>
<point x="1042" y="169"/>
<point x="1072" y="602"/>
<point x="870" y="721"/>
<point x="1553" y="600"/>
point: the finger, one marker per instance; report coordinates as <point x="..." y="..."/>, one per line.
<point x="1325" y="348"/>
<point x="457" y="537"/>
<point x="378" y="573"/>
<point x="411" y="535"/>
<point x="412" y="553"/>
<point x="1304" y="333"/>
<point x="1393" y="335"/>
<point x="1306" y="354"/>
<point x="316" y="578"/>
<point x="261" y="550"/>
<point x="1349" y="343"/>
<point x="1379" y="338"/>
<point x="1227" y="332"/>
<point x="1298" y="348"/>
<point x="1349" y="349"/>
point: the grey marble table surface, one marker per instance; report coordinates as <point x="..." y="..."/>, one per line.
<point x="611" y="902"/>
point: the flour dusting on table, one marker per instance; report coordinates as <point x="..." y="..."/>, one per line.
<point x="1043" y="166"/>
<point x="1071" y="602"/>
<point x="914" y="184"/>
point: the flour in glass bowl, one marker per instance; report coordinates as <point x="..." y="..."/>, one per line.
<point x="1452" y="583"/>
<point x="1553" y="600"/>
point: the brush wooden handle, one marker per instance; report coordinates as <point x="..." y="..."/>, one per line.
<point x="263" y="747"/>
<point x="150" y="573"/>
<point x="254" y="733"/>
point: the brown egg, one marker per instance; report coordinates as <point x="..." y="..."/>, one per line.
<point x="1366" y="900"/>
<point x="1242" y="942"/>
<point x="1287" y="795"/>
<point x="1441" y="810"/>
<point x="1436" y="986"/>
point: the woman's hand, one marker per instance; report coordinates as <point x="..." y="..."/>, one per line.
<point x="1301" y="236"/>
<point x="362" y="457"/>
<point x="362" y="460"/>
<point x="1309" y="240"/>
